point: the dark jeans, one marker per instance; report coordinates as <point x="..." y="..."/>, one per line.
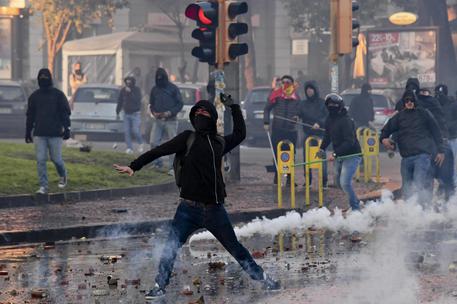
<point x="416" y="177"/>
<point x="191" y="216"/>
<point x="445" y="174"/>
<point x="324" y="166"/>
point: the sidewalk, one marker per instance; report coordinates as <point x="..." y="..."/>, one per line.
<point x="255" y="192"/>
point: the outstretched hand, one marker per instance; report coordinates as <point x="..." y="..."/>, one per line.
<point x="124" y="169"/>
<point x="226" y="100"/>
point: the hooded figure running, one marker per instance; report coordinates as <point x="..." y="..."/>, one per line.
<point x="202" y="190"/>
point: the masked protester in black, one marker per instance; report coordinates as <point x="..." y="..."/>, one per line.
<point x="446" y="173"/>
<point x="48" y="117"/>
<point x="362" y="108"/>
<point x="202" y="190"/>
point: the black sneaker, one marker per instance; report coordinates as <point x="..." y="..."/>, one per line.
<point x="155" y="293"/>
<point x="270" y="284"/>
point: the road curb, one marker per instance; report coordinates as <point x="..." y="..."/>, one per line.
<point x="115" y="229"/>
<point x="15" y="201"/>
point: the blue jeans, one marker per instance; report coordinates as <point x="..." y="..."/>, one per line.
<point x="132" y="124"/>
<point x="345" y="170"/>
<point x="416" y="177"/>
<point x="54" y="146"/>
<point x="453" y="146"/>
<point x="191" y="216"/>
<point x="163" y="130"/>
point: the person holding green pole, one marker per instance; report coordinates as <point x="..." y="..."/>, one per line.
<point x="340" y="131"/>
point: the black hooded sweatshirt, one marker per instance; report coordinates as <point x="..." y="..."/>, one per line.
<point x="416" y="130"/>
<point x="165" y="96"/>
<point x="340" y="131"/>
<point x="130" y="102"/>
<point x="362" y="108"/>
<point x="427" y="102"/>
<point x="449" y="107"/>
<point x="48" y="111"/>
<point x="201" y="178"/>
<point x="313" y="110"/>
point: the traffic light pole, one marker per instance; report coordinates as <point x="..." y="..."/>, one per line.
<point x="334" y="71"/>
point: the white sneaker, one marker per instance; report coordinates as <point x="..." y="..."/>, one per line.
<point x="141" y="148"/>
<point x="42" y="190"/>
<point x="62" y="182"/>
<point x="129" y="151"/>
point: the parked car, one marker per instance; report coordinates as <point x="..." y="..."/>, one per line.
<point x="13" y="106"/>
<point x="253" y="106"/>
<point x="191" y="93"/>
<point x="384" y="107"/>
<point x="94" y="112"/>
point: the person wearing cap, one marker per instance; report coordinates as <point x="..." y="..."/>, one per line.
<point x="286" y="107"/>
<point x="420" y="144"/>
<point x="340" y="131"/>
<point x="202" y="190"/>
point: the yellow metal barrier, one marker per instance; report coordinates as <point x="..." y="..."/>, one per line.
<point x="371" y="150"/>
<point x="369" y="141"/>
<point x="286" y="167"/>
<point x="312" y="145"/>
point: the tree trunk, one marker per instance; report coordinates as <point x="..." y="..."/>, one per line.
<point x="51" y="62"/>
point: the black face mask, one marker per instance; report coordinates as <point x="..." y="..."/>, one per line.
<point x="333" y="111"/>
<point x="78" y="72"/>
<point x="44" y="82"/>
<point x="203" y="124"/>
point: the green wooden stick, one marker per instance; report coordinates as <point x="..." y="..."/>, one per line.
<point x="324" y="160"/>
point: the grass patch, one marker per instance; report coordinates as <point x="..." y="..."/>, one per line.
<point x="86" y="171"/>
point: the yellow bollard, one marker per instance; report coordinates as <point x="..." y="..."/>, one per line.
<point x="360" y="134"/>
<point x="313" y="162"/>
<point x="286" y="167"/>
<point x="371" y="150"/>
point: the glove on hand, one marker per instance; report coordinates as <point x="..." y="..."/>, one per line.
<point x="226" y="100"/>
<point x="66" y="134"/>
<point x="321" y="154"/>
<point x="28" y="138"/>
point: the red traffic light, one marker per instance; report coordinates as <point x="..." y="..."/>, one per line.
<point x="205" y="13"/>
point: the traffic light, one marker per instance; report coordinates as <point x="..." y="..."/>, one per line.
<point x="233" y="29"/>
<point x="345" y="25"/>
<point x="206" y="14"/>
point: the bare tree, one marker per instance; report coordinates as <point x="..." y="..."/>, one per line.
<point x="60" y="16"/>
<point x="174" y="10"/>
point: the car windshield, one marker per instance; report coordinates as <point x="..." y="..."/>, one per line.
<point x="379" y="101"/>
<point x="97" y="95"/>
<point x="11" y="94"/>
<point x="188" y="95"/>
<point x="259" y="96"/>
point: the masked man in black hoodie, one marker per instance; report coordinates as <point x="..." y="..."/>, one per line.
<point x="314" y="113"/>
<point x="202" y="190"/>
<point x="48" y="117"/>
<point x="130" y="102"/>
<point x="362" y="109"/>
<point x="165" y="102"/>
<point x="340" y="131"/>
<point x="420" y="142"/>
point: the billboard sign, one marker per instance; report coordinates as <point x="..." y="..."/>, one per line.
<point x="395" y="55"/>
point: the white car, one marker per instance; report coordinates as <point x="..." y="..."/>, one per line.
<point x="94" y="112"/>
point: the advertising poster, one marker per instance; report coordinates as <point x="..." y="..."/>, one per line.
<point x="394" y="56"/>
<point x="5" y="49"/>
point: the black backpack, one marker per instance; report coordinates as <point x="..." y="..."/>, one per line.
<point x="178" y="162"/>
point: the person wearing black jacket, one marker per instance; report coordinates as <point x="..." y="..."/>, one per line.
<point x="362" y="108"/>
<point x="314" y="113"/>
<point x="202" y="190"/>
<point x="165" y="102"/>
<point x="48" y="119"/>
<point x="419" y="141"/>
<point x="130" y="102"/>
<point x="340" y="131"/>
<point x="446" y="173"/>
